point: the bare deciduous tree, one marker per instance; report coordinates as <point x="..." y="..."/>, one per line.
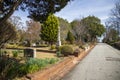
<point x="16" y="21"/>
<point x="78" y="29"/>
<point x="116" y="16"/>
<point x="33" y="31"/>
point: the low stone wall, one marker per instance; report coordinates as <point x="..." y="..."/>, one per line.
<point x="58" y="70"/>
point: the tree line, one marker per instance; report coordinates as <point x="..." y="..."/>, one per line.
<point x="44" y="25"/>
<point x="38" y="11"/>
<point x="78" y="31"/>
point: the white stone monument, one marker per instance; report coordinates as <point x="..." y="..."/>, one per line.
<point x="58" y="39"/>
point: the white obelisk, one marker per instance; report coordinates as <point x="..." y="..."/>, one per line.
<point x="58" y="41"/>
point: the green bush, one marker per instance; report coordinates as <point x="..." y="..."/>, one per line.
<point x="53" y="61"/>
<point x="70" y="37"/>
<point x="34" y="64"/>
<point x="52" y="47"/>
<point x="58" y="54"/>
<point x="9" y="68"/>
<point x="12" y="68"/>
<point x="15" y="53"/>
<point x="31" y="67"/>
<point x="66" y="50"/>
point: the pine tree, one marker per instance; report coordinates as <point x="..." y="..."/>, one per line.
<point x="49" y="30"/>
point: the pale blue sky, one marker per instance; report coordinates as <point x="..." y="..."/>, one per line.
<point x="81" y="8"/>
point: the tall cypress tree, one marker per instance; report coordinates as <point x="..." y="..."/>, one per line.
<point x="70" y="38"/>
<point x="49" y="29"/>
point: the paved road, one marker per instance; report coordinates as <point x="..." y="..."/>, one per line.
<point x="102" y="63"/>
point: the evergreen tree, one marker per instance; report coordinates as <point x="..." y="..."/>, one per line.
<point x="70" y="37"/>
<point x="93" y="26"/>
<point x="49" y="29"/>
<point x="38" y="9"/>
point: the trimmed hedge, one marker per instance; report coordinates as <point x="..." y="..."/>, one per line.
<point x="66" y="50"/>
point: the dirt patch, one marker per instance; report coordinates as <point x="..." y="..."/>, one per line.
<point x="43" y="55"/>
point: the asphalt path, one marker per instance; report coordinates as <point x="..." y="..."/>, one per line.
<point x="102" y="63"/>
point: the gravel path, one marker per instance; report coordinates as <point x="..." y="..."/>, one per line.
<point x="102" y="63"/>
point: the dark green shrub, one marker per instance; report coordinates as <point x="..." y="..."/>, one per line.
<point x="15" y="53"/>
<point x="12" y="68"/>
<point x="58" y="53"/>
<point x="34" y="64"/>
<point x="53" y="61"/>
<point x="30" y="68"/>
<point x="70" y="37"/>
<point x="66" y="50"/>
<point x="9" y="68"/>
